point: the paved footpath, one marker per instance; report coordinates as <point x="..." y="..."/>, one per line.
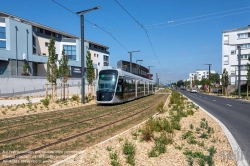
<point x="19" y="101"/>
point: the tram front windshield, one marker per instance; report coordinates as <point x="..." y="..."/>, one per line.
<point x="107" y="80"/>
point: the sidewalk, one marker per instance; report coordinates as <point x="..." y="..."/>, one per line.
<point x="19" y="101"/>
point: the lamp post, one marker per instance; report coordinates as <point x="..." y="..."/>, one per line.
<point x="149" y="71"/>
<point x="239" y="63"/>
<point x="27" y="48"/>
<point x="138" y="65"/>
<point x="130" y="69"/>
<point x="16" y="53"/>
<point x="208" y="76"/>
<point x="81" y="13"/>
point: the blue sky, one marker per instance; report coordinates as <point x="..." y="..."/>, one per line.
<point x="185" y="34"/>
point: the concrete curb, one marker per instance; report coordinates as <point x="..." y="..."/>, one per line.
<point x="238" y="154"/>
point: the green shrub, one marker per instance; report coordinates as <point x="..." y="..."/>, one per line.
<point x="167" y="126"/>
<point x="45" y="102"/>
<point x="190" y="112"/>
<point x="75" y="98"/>
<point x="160" y="108"/>
<point x="187" y="134"/>
<point x="147" y="130"/>
<point x="129" y="151"/>
<point x="176" y="125"/>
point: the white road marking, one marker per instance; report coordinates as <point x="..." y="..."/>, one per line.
<point x="214" y="100"/>
<point x="229" y="105"/>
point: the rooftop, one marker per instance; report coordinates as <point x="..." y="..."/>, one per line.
<point x="236" y="29"/>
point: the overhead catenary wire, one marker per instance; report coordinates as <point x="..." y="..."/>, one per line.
<point x="144" y="30"/>
<point x="171" y="21"/>
<point x="171" y="25"/>
<point x="101" y="28"/>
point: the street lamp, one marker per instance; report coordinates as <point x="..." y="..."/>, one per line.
<point x="138" y="66"/>
<point x="149" y="71"/>
<point x="130" y="70"/>
<point x="208" y="77"/>
<point x="81" y="13"/>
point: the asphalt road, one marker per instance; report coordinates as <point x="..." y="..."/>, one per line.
<point x="233" y="113"/>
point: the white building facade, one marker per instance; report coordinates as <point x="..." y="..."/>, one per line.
<point x="199" y="74"/>
<point x="26" y="42"/>
<point x="230" y="40"/>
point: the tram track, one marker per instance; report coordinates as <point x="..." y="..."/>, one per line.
<point x="84" y="132"/>
<point x="97" y="108"/>
<point x="71" y="124"/>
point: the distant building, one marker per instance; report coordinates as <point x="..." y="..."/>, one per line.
<point x="99" y="54"/>
<point x="136" y="69"/>
<point x="199" y="74"/>
<point x="230" y="40"/>
<point x="23" y="41"/>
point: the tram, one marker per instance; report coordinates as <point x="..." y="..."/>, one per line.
<point x="118" y="86"/>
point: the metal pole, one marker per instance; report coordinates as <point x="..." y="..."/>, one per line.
<point x="27" y="49"/>
<point x="156" y="80"/>
<point x="130" y="70"/>
<point x="239" y="63"/>
<point x="209" y="78"/>
<point x="82" y="58"/>
<point x="16" y="53"/>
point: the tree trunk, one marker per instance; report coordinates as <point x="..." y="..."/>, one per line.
<point x="247" y="91"/>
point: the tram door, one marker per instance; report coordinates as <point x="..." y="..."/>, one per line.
<point x="119" y="89"/>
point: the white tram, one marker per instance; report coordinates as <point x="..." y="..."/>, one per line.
<point x="118" y="86"/>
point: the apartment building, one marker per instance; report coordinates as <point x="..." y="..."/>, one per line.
<point x="99" y="54"/>
<point x="231" y="39"/>
<point x="23" y="41"/>
<point x="199" y="74"/>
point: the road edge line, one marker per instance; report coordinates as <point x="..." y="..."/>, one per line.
<point x="233" y="143"/>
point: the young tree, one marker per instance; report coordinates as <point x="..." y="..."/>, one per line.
<point x="90" y="69"/>
<point x="225" y="79"/>
<point x="52" y="69"/>
<point x="64" y="70"/>
<point x="248" y="75"/>
<point x="215" y="77"/>
<point x="180" y="83"/>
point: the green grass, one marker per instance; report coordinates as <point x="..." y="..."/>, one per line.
<point x="129" y="151"/>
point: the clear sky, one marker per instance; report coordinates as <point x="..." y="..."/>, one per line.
<point x="183" y="35"/>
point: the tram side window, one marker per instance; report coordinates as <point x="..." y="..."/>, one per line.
<point x="132" y="86"/>
<point x="119" y="85"/>
<point x="150" y="87"/>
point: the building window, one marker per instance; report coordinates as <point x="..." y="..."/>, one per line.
<point x="245" y="56"/>
<point x="2" y="44"/>
<point x="94" y="55"/>
<point x="105" y="58"/>
<point x="245" y="46"/>
<point x="46" y="44"/>
<point x="41" y="30"/>
<point x="105" y="64"/>
<point x="34" y="41"/>
<point x="47" y="32"/>
<point x="97" y="55"/>
<point x="70" y="50"/>
<point x="98" y="63"/>
<point x="2" y="33"/>
<point x="225" y="60"/>
<point x="225" y="39"/>
<point x="243" y="35"/>
<point x="34" y="50"/>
